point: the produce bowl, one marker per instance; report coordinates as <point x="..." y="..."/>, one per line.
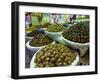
<point x="74" y="63"/>
<point x="83" y="47"/>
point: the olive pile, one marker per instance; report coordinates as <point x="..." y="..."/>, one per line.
<point x="55" y="28"/>
<point x="45" y="25"/>
<point x="54" y="55"/>
<point x="77" y="33"/>
<point x="40" y="40"/>
<point x="33" y="33"/>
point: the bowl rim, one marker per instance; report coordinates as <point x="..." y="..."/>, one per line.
<point x="31" y="47"/>
<point x="29" y="37"/>
<point x="53" y="32"/>
<point x="74" y="43"/>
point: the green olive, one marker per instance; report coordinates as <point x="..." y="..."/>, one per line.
<point x="47" y="59"/>
<point x="56" y="55"/>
